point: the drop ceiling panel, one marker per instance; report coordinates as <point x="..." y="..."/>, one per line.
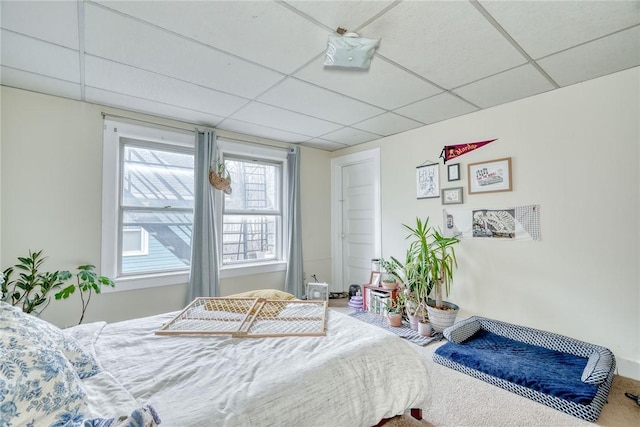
<point x="38" y="83"/>
<point x="56" y="22"/>
<point x="260" y="31"/>
<point x="261" y="131"/>
<point x="383" y="84"/>
<point x="603" y="56"/>
<point x="449" y="43"/>
<point x="349" y="15"/>
<point x="508" y="86"/>
<point x="387" y="124"/>
<point x="550" y="26"/>
<point x="321" y="144"/>
<point x="131" y="103"/>
<point x="111" y="76"/>
<point x="296" y="95"/>
<point x="437" y="108"/>
<point x="267" y="115"/>
<point x="29" y="54"/>
<point x="350" y="136"/>
<point x="113" y="36"/>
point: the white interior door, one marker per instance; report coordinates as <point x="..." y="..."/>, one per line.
<point x="356" y="218"/>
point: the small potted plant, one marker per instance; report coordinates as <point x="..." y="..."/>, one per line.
<point x="395" y="308"/>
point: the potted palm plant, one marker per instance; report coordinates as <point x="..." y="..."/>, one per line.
<point x="429" y="265"/>
<point x="414" y="273"/>
<point x="442" y="262"/>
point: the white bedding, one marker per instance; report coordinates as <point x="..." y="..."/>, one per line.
<point x="354" y="376"/>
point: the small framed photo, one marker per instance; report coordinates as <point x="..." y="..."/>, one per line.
<point x="375" y="278"/>
<point x="451" y="196"/>
<point x="427" y="181"/>
<point x="453" y="172"/>
<point x="489" y="177"/>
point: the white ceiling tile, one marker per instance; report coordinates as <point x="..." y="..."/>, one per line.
<point x="350" y="136"/>
<point x="261" y="31"/>
<point x="387" y="124"/>
<point x="296" y="95"/>
<point x="274" y="117"/>
<point x="448" y="42"/>
<point x="322" y="144"/>
<point x="383" y="84"/>
<point x="551" y="26"/>
<point x="38" y="83"/>
<point x="349" y="14"/>
<point x="28" y="54"/>
<point x="113" y="36"/>
<point x="131" y="103"/>
<point x="437" y="108"/>
<point x="54" y="21"/>
<point x="261" y="131"/>
<point x="103" y="74"/>
<point x="603" y="56"/>
<point x="508" y="86"/>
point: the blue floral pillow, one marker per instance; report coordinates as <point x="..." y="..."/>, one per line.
<point x="19" y="330"/>
<point x="39" y="387"/>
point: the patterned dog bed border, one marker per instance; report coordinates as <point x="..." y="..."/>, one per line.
<point x="599" y="370"/>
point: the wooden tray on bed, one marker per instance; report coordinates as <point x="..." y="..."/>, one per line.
<point x="249" y="317"/>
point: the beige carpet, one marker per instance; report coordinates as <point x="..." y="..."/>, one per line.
<point x="460" y="400"/>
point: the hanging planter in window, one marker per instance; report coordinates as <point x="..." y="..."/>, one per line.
<point x="220" y="178"/>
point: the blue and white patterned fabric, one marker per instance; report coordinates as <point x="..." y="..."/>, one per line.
<point x="38" y="384"/>
<point x="20" y="329"/>
<point x="41" y="371"/>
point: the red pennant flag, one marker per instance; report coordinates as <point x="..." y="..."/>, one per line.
<point x="452" y="151"/>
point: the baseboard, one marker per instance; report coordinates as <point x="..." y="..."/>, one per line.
<point x="628" y="368"/>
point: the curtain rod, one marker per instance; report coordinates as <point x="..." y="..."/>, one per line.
<point x="193" y="129"/>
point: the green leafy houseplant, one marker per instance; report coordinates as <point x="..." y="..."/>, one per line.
<point x="442" y="261"/>
<point x="32" y="289"/>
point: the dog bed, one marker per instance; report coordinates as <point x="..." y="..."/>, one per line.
<point x="566" y="374"/>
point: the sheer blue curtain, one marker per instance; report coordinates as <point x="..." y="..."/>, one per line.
<point x="295" y="276"/>
<point x="204" y="280"/>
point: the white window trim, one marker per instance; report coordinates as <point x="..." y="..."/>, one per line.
<point x="113" y="131"/>
<point x="249" y="150"/>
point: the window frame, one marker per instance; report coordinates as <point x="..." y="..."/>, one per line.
<point x="111" y="201"/>
<point x="240" y="151"/>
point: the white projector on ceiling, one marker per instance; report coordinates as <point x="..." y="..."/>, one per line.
<point x="350" y="51"/>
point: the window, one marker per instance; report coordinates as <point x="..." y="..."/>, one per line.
<point x="252" y="216"/>
<point x="148" y="197"/>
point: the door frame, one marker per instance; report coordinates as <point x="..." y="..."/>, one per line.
<point x="337" y="164"/>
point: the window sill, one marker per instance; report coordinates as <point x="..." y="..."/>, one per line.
<point x="248" y="269"/>
<point x="128" y="283"/>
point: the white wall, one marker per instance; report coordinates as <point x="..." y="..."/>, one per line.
<point x="50" y="187"/>
<point x="575" y="153"/>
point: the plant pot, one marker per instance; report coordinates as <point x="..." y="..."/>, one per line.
<point x="390" y="285"/>
<point x="413" y="322"/>
<point x="442" y="319"/>
<point x="424" y="329"/>
<point x="395" y="319"/>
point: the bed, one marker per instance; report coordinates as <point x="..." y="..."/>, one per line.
<point x="356" y="375"/>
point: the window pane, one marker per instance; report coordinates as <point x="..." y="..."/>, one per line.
<point x="255" y="186"/>
<point x="247" y="237"/>
<point x="135" y="241"/>
<point x="157" y="178"/>
<point x="169" y="241"/>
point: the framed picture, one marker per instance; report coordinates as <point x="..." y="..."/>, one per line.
<point x="427" y="182"/>
<point x="375" y="278"/>
<point x="453" y="172"/>
<point x="451" y="196"/>
<point x="489" y="177"/>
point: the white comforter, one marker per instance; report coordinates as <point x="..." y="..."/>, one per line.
<point x="354" y="376"/>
